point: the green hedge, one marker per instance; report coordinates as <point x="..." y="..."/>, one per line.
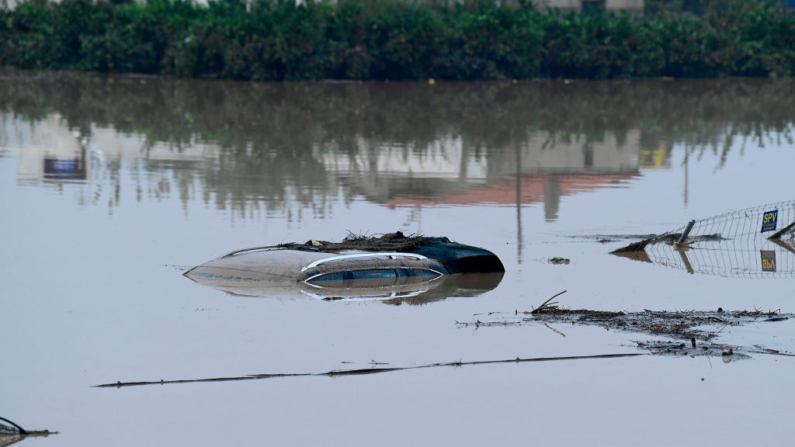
<point x="394" y="40"/>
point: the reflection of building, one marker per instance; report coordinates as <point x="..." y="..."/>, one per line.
<point x="49" y="152"/>
<point x="533" y="188"/>
<point x="46" y="151"/>
<point x="655" y="154"/>
<point x="545" y="153"/>
<point x="450" y="172"/>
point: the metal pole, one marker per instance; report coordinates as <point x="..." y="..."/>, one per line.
<point x="686" y="261"/>
<point x="689" y="227"/>
<point x="518" y="205"/>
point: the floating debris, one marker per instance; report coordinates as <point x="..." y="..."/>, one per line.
<point x="558" y="261"/>
<point x="548" y="305"/>
<point x="694" y="331"/>
<point x="369" y="371"/>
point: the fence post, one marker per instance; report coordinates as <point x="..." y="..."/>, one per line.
<point x="684" y="235"/>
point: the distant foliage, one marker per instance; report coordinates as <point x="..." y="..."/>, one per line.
<point x="279" y="40"/>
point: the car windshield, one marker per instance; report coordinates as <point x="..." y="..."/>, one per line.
<point x="349" y="275"/>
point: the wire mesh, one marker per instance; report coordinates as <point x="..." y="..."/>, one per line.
<point x="756" y="242"/>
<point x="746" y="226"/>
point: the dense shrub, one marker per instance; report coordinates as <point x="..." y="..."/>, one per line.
<point x="397" y="40"/>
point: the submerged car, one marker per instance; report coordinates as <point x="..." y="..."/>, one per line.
<point x="392" y="266"/>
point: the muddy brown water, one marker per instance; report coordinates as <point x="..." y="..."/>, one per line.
<point x="112" y="186"/>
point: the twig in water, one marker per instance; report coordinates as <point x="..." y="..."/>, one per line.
<point x="547" y="306"/>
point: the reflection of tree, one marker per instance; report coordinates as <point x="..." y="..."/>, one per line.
<point x="268" y="133"/>
<point x="259" y="118"/>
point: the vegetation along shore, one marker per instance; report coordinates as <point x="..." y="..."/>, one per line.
<point x="393" y="40"/>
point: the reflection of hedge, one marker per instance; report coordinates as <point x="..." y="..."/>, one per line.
<point x="393" y="40"/>
<point x="293" y="117"/>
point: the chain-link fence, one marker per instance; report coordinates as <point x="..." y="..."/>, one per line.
<point x="756" y="242"/>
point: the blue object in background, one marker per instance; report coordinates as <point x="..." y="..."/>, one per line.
<point x="769" y="220"/>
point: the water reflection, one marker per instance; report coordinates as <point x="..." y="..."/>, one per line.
<point x="451" y="172"/>
<point x="773" y="259"/>
<point x="305" y="148"/>
<point x="47" y="151"/>
<point x="448" y="286"/>
<point x="7" y="440"/>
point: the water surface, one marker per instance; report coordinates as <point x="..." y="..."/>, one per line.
<point x="112" y="186"/>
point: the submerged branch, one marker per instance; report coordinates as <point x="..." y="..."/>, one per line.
<point x="368" y="371"/>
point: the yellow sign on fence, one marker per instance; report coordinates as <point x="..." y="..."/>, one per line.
<point x="769" y="220"/>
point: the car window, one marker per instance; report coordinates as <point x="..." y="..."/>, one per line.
<point x="372" y="274"/>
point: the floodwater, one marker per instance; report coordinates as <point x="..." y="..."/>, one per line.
<point x="111" y="187"/>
